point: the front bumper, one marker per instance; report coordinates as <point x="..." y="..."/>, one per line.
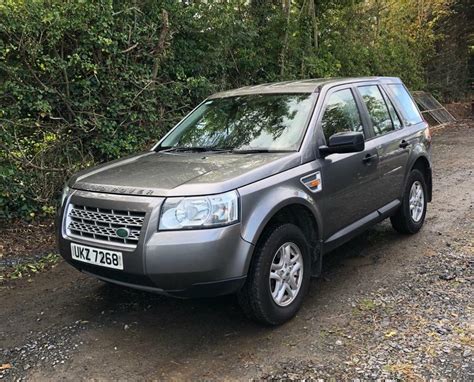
<point x="193" y="263"/>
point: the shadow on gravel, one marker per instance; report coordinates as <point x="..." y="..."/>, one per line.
<point x="111" y="302"/>
<point x="359" y="251"/>
<point x="120" y="327"/>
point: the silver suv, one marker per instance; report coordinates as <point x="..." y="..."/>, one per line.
<point x="249" y="191"/>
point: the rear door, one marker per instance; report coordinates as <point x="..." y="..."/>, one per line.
<point x="387" y="138"/>
<point x="347" y="179"/>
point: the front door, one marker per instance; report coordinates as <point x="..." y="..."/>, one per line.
<point x="347" y="179"/>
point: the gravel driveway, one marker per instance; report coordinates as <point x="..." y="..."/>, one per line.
<point x="387" y="306"/>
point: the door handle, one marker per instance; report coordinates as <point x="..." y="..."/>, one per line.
<point x="404" y="144"/>
<point x="369" y="157"/>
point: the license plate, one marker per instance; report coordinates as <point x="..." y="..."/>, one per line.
<point x="97" y="256"/>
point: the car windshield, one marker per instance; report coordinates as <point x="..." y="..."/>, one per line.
<point x="263" y="122"/>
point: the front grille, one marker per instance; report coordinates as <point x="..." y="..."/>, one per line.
<point x="102" y="224"/>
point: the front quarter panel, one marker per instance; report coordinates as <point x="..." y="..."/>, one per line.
<point x="261" y="200"/>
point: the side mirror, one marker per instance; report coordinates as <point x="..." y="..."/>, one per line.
<point x="348" y="142"/>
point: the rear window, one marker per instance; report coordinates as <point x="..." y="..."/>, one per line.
<point x="409" y="109"/>
<point x="393" y="113"/>
<point x="377" y="108"/>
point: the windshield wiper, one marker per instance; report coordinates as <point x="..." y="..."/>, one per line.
<point x="201" y="149"/>
<point x="198" y="149"/>
<point x="256" y="151"/>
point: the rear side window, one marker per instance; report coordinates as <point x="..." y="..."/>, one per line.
<point x="395" y="119"/>
<point x="341" y="114"/>
<point x="409" y="109"/>
<point x="377" y="108"/>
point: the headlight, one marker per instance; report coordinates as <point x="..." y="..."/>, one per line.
<point x="200" y="211"/>
<point x="64" y="194"/>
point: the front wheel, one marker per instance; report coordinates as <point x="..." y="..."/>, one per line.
<point x="279" y="276"/>
<point x="411" y="215"/>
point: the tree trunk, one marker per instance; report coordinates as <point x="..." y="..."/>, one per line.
<point x="312" y="13"/>
<point x="286" y="9"/>
<point x="160" y="47"/>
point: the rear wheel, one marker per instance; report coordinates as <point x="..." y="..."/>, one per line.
<point x="411" y="215"/>
<point x="278" y="277"/>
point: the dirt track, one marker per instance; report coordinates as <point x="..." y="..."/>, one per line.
<point x="387" y="306"/>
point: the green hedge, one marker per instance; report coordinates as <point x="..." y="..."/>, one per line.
<point x="83" y="82"/>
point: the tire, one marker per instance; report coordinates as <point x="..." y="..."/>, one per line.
<point x="404" y="220"/>
<point x="278" y="243"/>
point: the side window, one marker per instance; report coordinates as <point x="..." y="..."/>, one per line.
<point x="395" y="119"/>
<point x="341" y="114"/>
<point x="409" y="109"/>
<point x="377" y="108"/>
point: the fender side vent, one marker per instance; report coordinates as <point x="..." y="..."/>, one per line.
<point x="313" y="182"/>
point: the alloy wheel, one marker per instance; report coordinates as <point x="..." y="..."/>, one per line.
<point x="286" y="274"/>
<point x="417" y="201"/>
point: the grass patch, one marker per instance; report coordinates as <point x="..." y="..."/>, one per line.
<point x="29" y="269"/>
<point x="367" y="305"/>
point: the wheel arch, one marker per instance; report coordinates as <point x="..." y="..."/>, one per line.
<point x="422" y="164"/>
<point x="299" y="210"/>
<point x="274" y="208"/>
<point x="299" y="215"/>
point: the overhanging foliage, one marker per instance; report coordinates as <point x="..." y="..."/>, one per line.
<point x="83" y="82"/>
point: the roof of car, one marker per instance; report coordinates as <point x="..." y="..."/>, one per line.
<point x="300" y="86"/>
